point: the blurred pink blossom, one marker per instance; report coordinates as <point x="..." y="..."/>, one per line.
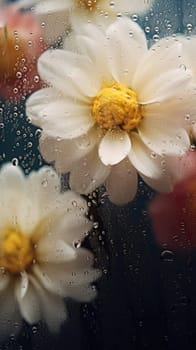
<point x="181" y="167"/>
<point x="21" y="43"/>
<point x="174" y="214"/>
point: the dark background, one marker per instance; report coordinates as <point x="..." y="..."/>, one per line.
<point x="147" y="295"/>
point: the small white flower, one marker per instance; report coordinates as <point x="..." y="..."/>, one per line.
<point x="39" y="263"/>
<point x="56" y="15"/>
<point x="113" y="108"/>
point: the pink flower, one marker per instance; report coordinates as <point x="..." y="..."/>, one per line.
<point x="21" y="44"/>
<point x="174" y="214"/>
<point x="181" y="167"/>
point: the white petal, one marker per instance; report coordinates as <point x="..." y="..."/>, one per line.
<point x="41" y="195"/>
<point x="51" y="282"/>
<point x="162" y="57"/>
<point x="44" y="189"/>
<point x="121" y="184"/>
<point x="126" y="46"/>
<point x="144" y="160"/>
<point x="28" y="300"/>
<point x="12" y="184"/>
<point x="70" y="73"/>
<point x="55" y="24"/>
<point x="53" y="310"/>
<point x="12" y="176"/>
<point x="38" y="100"/>
<point x="166" y="86"/>
<point x="45" y="184"/>
<point x="52" y="250"/>
<point x="55" y="149"/>
<point x="175" y="111"/>
<point x="73" y="202"/>
<point x="70" y="279"/>
<point x="15" y="201"/>
<point x="72" y="227"/>
<point x="114" y="147"/>
<point x="189" y="47"/>
<point x="22" y="285"/>
<point x="45" y="6"/>
<point x="57" y="115"/>
<point x="88" y="39"/>
<point x="163" y="137"/>
<point x="28" y="213"/>
<point x="92" y="174"/>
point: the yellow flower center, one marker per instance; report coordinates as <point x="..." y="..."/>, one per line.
<point x="16" y="251"/>
<point x="88" y="4"/>
<point x="12" y="50"/>
<point x="116" y="106"/>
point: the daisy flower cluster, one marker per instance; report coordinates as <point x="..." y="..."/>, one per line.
<point x="111" y="109"/>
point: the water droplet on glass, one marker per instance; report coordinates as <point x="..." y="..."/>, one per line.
<point x="167" y="255"/>
<point x="15" y="161"/>
<point x="77" y="244"/>
<point x="18" y="75"/>
<point x="36" y="79"/>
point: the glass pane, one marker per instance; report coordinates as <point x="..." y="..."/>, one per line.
<point x="97" y="174"/>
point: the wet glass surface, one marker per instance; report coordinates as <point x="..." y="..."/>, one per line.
<point x="147" y="292"/>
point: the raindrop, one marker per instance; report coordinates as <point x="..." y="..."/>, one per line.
<point x="189" y="26"/>
<point x="156" y="37"/>
<point x="112" y="3"/>
<point x="77" y="244"/>
<point x="187" y="117"/>
<point x="95" y="225"/>
<point x="36" y="79"/>
<point x="15" y="91"/>
<point x="45" y="183"/>
<point x="18" y="75"/>
<point x="167" y="255"/>
<point x="34" y="329"/>
<point x="15" y="161"/>
<point x="135" y="17"/>
<point x="38" y="132"/>
<point x="147" y="29"/>
<point x="153" y="155"/>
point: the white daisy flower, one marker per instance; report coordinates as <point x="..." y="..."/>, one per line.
<point x="113" y="109"/>
<point x="56" y="16"/>
<point x="39" y="262"/>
